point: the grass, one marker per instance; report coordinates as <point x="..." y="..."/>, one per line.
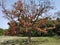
<point x="34" y="40"/>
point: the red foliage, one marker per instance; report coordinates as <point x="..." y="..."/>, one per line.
<point x="27" y="15"/>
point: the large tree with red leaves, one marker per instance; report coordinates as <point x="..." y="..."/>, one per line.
<point x="26" y="14"/>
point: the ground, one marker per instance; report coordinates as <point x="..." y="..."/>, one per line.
<point x="10" y="40"/>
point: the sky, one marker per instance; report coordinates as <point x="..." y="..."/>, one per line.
<point x="4" y="21"/>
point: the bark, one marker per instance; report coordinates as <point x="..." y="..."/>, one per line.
<point x="29" y="38"/>
<point x="29" y="41"/>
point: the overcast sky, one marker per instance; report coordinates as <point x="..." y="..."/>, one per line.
<point x="3" y="21"/>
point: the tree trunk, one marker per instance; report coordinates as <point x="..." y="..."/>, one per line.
<point x="29" y="38"/>
<point x="29" y="41"/>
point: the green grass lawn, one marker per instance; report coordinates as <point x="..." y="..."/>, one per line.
<point x="48" y="41"/>
<point x="34" y="40"/>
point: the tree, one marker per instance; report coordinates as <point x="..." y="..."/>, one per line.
<point x="1" y="31"/>
<point x="58" y="19"/>
<point x="27" y="16"/>
<point x="58" y="28"/>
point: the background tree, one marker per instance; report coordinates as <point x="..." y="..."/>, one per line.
<point x="1" y="31"/>
<point x="27" y="15"/>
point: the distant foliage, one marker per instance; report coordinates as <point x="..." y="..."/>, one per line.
<point x="1" y="31"/>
